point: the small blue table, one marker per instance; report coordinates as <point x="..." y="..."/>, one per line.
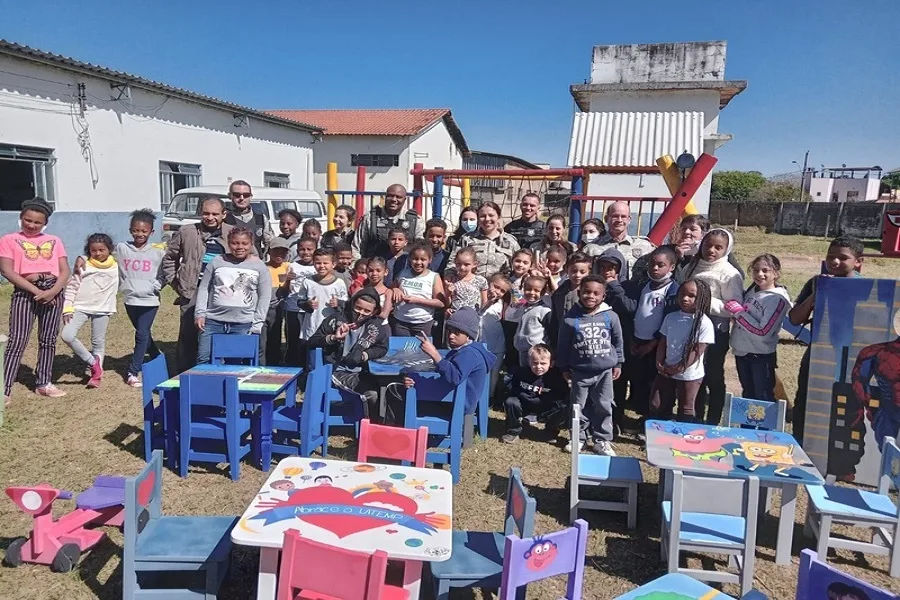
<point x="678" y="586"/>
<point x="257" y="385"/>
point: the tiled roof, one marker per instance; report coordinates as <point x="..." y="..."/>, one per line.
<point x="399" y="121"/>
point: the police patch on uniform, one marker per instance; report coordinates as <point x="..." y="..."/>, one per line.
<point x="405" y="225"/>
<point x="637" y="252"/>
<point x="530" y="233"/>
<point x="381" y="222"/>
<point x="259" y="232"/>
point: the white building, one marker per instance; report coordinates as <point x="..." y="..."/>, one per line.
<point x="844" y="184"/>
<point x="386" y="142"/>
<point x="644" y="101"/>
<point x="91" y="139"/>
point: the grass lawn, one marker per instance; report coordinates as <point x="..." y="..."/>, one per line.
<point x="68" y="441"/>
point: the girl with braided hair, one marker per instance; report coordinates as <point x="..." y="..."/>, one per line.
<point x="685" y="335"/>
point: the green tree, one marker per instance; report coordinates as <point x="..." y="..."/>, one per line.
<point x="735" y="186"/>
<point x="778" y="191"/>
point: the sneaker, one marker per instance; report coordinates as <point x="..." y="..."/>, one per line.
<point x="642" y="437"/>
<point x="604" y="448"/>
<point x="509" y="438"/>
<point x="530" y="419"/>
<point x="7" y="400"/>
<point x="50" y="391"/>
<point x="133" y="381"/>
<point x="568" y="447"/>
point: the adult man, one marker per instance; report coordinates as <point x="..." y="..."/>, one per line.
<point x="242" y="215"/>
<point x="371" y="238"/>
<point x="618" y="217"/>
<point x="189" y="251"/>
<point x="528" y="228"/>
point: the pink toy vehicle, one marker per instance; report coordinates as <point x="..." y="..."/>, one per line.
<point x="59" y="543"/>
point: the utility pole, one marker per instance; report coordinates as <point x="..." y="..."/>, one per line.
<point x="803" y="174"/>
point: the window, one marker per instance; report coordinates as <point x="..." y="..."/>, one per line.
<point x="308" y="209"/>
<point x="174" y="177"/>
<point x="852" y="195"/>
<point x="276" y="180"/>
<point x="374" y="160"/>
<point x="25" y="173"/>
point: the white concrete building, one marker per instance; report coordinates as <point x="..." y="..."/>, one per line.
<point x="644" y="101"/>
<point x="844" y="184"/>
<point x="386" y="142"/>
<point x="91" y="139"/>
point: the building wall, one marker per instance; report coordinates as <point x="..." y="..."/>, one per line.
<point x="435" y="148"/>
<point x="126" y="139"/>
<point x="821" y="189"/>
<point x="641" y="63"/>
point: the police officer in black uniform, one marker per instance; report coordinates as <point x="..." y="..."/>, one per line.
<point x="372" y="236"/>
<point x="242" y="215"/>
<point x="528" y="228"/>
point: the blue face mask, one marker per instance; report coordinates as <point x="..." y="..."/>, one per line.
<point x="469" y="225"/>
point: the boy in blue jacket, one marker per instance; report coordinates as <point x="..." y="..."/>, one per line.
<point x="590" y="355"/>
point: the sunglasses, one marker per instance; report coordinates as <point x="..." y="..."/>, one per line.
<point x="239" y="195"/>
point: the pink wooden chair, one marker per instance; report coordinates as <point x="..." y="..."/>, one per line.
<point x="308" y="572"/>
<point x="396" y="443"/>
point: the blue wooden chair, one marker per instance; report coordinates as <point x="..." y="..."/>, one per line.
<point x="235" y="349"/>
<point x="305" y="421"/>
<point x="211" y="416"/>
<point x="818" y="580"/>
<point x="153" y="373"/>
<point x="833" y="504"/>
<point x="623" y="472"/>
<point x="711" y="515"/>
<point x="476" y="559"/>
<point x="341" y="410"/>
<point x="156" y="546"/>
<point x="749" y="413"/>
<point x="434" y="404"/>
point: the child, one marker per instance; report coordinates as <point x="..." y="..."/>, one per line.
<point x="535" y="391"/>
<point x="91" y="296"/>
<point x="554" y="263"/>
<point x="313" y="229"/>
<point x="533" y="320"/>
<point x="492" y="324"/>
<point x="590" y="357"/>
<point x="344" y="218"/>
<point x="375" y="271"/>
<point x="522" y="262"/>
<point x="344" y="256"/>
<point x="417" y="293"/>
<point x="554" y="235"/>
<point x="725" y="283"/>
<point x="683" y="339"/>
<point x="299" y="270"/>
<point x="398" y="238"/>
<point x="691" y="230"/>
<point x="234" y="294"/>
<point x="270" y="336"/>
<point x="322" y="295"/>
<point x="611" y="267"/>
<point x="591" y="231"/>
<point x="757" y="321"/>
<point x="288" y="222"/>
<point x="360" y="279"/>
<point x="566" y="295"/>
<point x="35" y="263"/>
<point x="844" y="259"/>
<point x="352" y="339"/>
<point x="436" y="235"/>
<point x="465" y="288"/>
<point x="468" y="223"/>
<point x="139" y="264"/>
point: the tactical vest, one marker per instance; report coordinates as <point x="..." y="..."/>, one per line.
<point x="379" y="226"/>
<point x="257" y="227"/>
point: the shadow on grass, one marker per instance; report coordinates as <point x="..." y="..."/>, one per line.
<point x="128" y="438"/>
<point x="93" y="563"/>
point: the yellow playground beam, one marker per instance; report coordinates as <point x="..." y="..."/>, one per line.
<point x="332" y="184"/>
<point x="466" y="192"/>
<point x="672" y="176"/>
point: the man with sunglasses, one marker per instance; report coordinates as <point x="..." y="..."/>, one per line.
<point x="372" y="236"/>
<point x="242" y="215"/>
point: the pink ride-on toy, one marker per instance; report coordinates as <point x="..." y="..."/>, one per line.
<point x="59" y="543"/>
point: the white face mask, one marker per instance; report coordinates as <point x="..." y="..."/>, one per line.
<point x="662" y="279"/>
<point x="587" y="238"/>
<point x="469" y="225"/>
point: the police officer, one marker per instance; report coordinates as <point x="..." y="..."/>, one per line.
<point x="242" y="215"/>
<point x="527" y="229"/>
<point x="372" y="236"/>
<point x="618" y="217"/>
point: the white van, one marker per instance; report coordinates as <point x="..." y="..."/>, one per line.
<point x="185" y="206"/>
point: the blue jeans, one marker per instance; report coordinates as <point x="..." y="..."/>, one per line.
<point x="142" y="318"/>
<point x="213" y="327"/>
<point x="756" y="373"/>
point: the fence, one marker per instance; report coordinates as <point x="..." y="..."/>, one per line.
<point x="822" y="219"/>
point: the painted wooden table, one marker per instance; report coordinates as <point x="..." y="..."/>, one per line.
<point x="404" y="511"/>
<point x="258" y="385"/>
<point x="387" y="369"/>
<point x="675" y="586"/>
<point x="774" y="457"/>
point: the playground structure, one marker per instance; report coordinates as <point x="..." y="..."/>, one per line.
<point x="60" y="542"/>
<point x="663" y="214"/>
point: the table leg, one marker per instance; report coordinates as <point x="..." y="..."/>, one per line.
<point x="265" y="436"/>
<point x="786" y="524"/>
<point x="412" y="578"/>
<point x="382" y="402"/>
<point x="170" y="405"/>
<point x="267" y="583"/>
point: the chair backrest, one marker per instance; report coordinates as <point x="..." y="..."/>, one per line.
<point x="713" y="495"/>
<point x="520" y="507"/>
<point x="153" y="373"/>
<point x="310" y="566"/>
<point x="209" y="390"/>
<point x="396" y="443"/>
<point x="754" y="414"/>
<point x="526" y="560"/>
<point x="818" y="580"/>
<point x="890" y="466"/>
<point x="235" y="349"/>
<point x="315" y="358"/>
<point x="400" y="343"/>
<point x="143" y="503"/>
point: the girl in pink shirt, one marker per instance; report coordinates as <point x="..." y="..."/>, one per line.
<point x="35" y="263"/>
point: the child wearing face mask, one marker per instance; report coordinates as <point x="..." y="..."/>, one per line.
<point x="591" y="230"/>
<point x="710" y="265"/>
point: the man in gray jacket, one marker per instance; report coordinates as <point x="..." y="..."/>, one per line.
<point x="189" y="251"/>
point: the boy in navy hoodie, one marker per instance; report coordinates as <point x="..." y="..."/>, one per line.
<point x="536" y="393"/>
<point x="590" y="356"/>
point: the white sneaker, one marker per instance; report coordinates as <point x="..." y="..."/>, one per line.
<point x="568" y="447"/>
<point x="50" y="391"/>
<point x="604" y="448"/>
<point x="133" y="381"/>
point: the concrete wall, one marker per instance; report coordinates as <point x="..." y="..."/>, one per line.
<point x="858" y="219"/>
<point x="640" y="63"/>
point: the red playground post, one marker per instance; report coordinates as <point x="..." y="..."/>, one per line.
<point x="675" y="208"/>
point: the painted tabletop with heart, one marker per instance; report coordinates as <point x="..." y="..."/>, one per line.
<point x="404" y="511"/>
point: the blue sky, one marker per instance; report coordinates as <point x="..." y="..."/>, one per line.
<point x="821" y="73"/>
